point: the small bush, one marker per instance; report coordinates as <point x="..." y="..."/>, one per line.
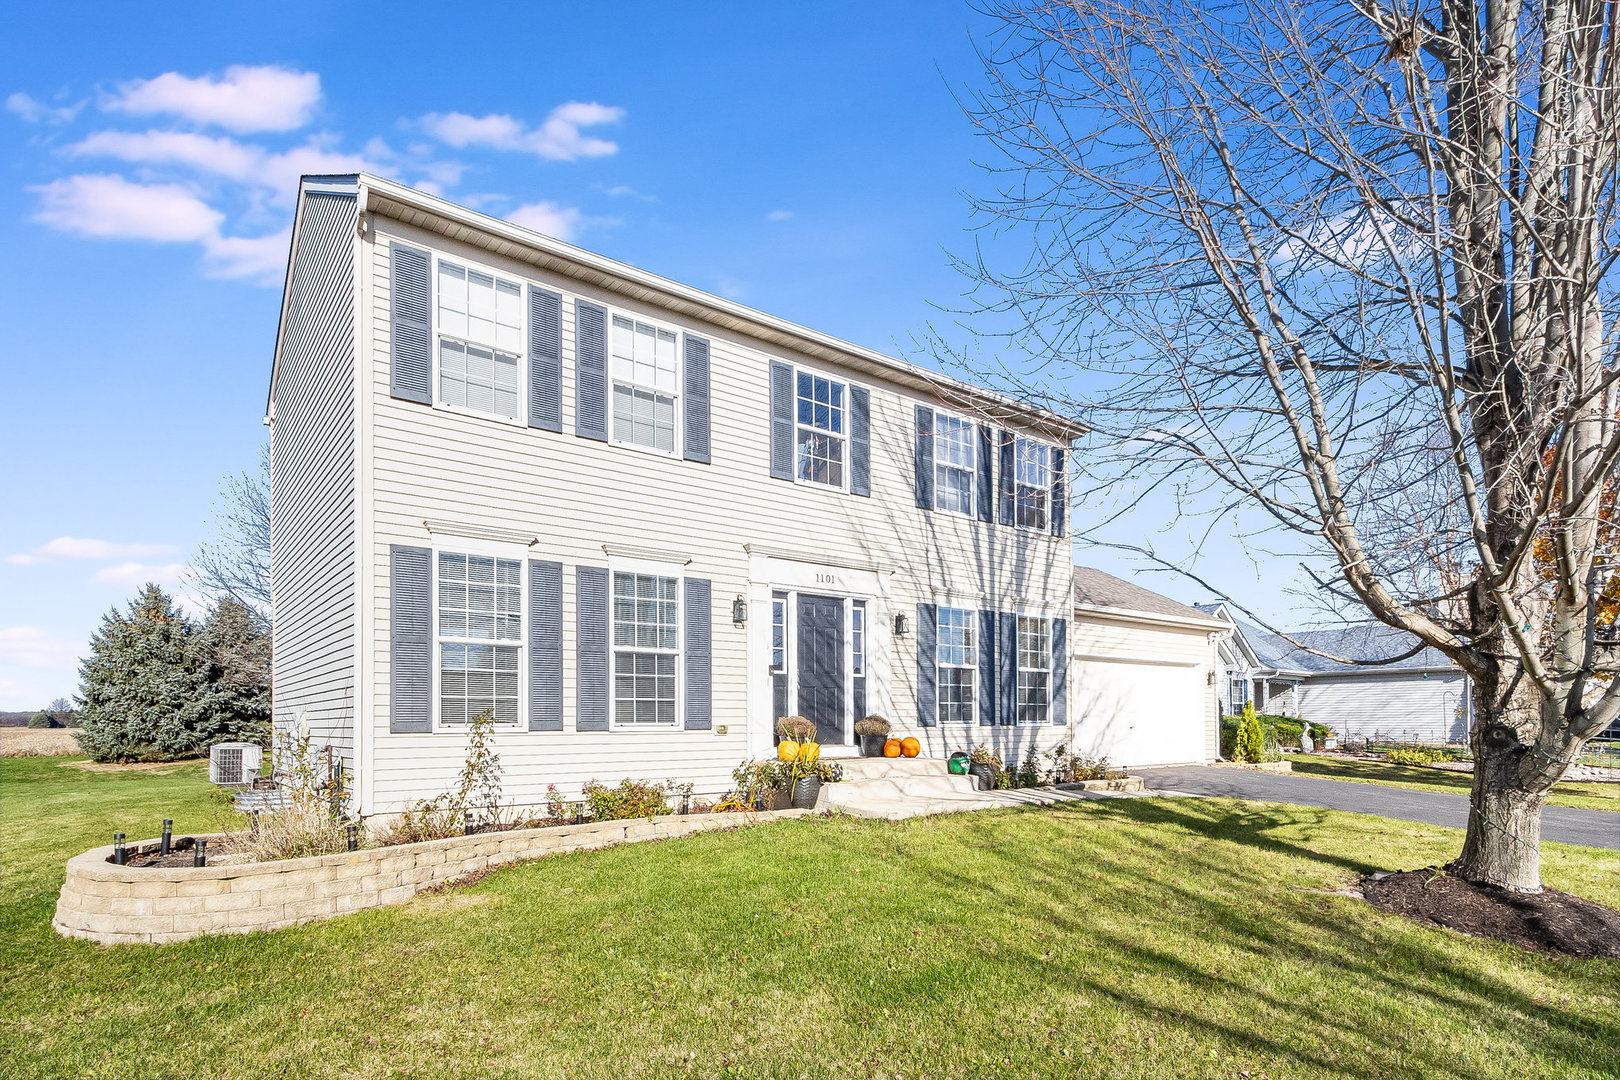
<point x="1069" y="767"/>
<point x="313" y="821"/>
<point x="1251" y="746"/>
<point x="1416" y="755"/>
<point x="872" y="725"/>
<point x="41" y="719"/>
<point x="631" y="799"/>
<point x="797" y="728"/>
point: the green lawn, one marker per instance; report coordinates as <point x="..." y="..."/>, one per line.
<point x="1584" y="795"/>
<point x="1122" y="938"/>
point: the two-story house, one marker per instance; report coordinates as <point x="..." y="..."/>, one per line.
<point x="637" y="521"/>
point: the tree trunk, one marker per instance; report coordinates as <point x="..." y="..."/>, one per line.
<point x="1503" y="845"/>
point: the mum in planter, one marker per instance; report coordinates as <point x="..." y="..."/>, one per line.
<point x="985" y="765"/>
<point x="872" y="731"/>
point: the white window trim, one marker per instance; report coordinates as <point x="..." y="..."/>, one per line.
<point x="974" y="625"/>
<point x="973" y="473"/>
<point x="848" y="436"/>
<point x="676" y="449"/>
<point x="469" y="546"/>
<point x="1019" y="669"/>
<point x="662" y="569"/>
<point x="1051" y="482"/>
<point x="524" y="285"/>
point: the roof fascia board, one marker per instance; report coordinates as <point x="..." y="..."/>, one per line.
<point x="1134" y="615"/>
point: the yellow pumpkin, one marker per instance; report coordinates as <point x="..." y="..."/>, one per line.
<point x="809" y="751"/>
<point x="891" y="748"/>
<point x="787" y="750"/>
<point x="910" y="747"/>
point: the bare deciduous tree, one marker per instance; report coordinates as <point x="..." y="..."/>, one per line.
<point x="236" y="563"/>
<point x="1349" y="261"/>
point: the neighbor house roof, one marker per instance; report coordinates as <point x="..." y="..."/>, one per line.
<point x="1369" y="640"/>
<point x="429" y="212"/>
<point x="1097" y="591"/>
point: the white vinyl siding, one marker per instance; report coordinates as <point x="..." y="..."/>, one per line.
<point x="958" y="664"/>
<point x="480" y="341"/>
<point x="821" y="444"/>
<point x="1034" y="670"/>
<point x="646" y="649"/>
<point x="645" y="373"/>
<point x="955" y="455"/>
<point x="479" y="627"/>
<point x="1404" y="706"/>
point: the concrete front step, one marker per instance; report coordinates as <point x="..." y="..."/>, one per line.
<point x="869" y="768"/>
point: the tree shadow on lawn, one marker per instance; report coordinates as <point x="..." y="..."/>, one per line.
<point x="1393" y="962"/>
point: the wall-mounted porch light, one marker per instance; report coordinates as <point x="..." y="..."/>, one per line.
<point x="739" y="611"/>
<point x="902" y="625"/>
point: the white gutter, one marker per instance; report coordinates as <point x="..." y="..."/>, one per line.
<point x="1135" y="615"/>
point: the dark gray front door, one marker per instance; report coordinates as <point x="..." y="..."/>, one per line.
<point x="821" y="665"/>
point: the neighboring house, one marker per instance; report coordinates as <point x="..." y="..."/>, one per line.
<point x="1142" y="674"/>
<point x="637" y="521"/>
<point x="1423" y="697"/>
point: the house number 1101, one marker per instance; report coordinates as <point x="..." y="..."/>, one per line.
<point x="826" y="579"/>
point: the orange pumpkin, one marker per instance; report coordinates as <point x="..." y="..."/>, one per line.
<point x="892" y="748"/>
<point x="910" y="747"/>
<point x="787" y="750"/>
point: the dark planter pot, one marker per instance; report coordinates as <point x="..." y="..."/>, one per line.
<point x="985" y="774"/>
<point x="805" y="791"/>
<point x="872" y="745"/>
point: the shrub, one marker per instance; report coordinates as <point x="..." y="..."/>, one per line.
<point x="631" y="799"/>
<point x="797" y="728"/>
<point x="41" y="719"/>
<point x="1416" y="755"/>
<point x="1029" y="770"/>
<point x="872" y="725"/>
<point x="477" y="791"/>
<point x="1250" y="741"/>
<point x="1284" y="731"/>
<point x="1069" y="767"/>
<point x="755" y="779"/>
<point x="313" y="821"/>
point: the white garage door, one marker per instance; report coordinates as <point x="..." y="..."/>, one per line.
<point x="1138" y="714"/>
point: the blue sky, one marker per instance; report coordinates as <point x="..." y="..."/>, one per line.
<point x="809" y="160"/>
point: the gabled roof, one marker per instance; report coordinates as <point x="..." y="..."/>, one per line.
<point x="1097" y="591"/>
<point x="1369" y="640"/>
<point x="438" y="215"/>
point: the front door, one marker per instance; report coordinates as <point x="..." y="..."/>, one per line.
<point x="821" y="665"/>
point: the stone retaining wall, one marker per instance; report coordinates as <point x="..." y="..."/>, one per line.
<point x="126" y="904"/>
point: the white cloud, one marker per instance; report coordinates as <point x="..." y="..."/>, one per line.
<point x="72" y="547"/>
<point x="246" y="99"/>
<point x="549" y="218"/>
<point x="31" y="647"/>
<point x="37" y="112"/>
<point x="114" y="208"/>
<point x="260" y="259"/>
<point x="134" y="574"/>
<point x="625" y="191"/>
<point x="779" y="215"/>
<point x="276" y="172"/>
<point x="558" y="138"/>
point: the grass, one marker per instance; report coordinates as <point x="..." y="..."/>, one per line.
<point x="1586" y="796"/>
<point x="1121" y="938"/>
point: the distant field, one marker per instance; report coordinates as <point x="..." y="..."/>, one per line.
<point x="41" y="742"/>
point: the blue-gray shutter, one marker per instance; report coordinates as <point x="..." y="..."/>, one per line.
<point x="695" y="414"/>
<point x="591" y="643"/>
<point x="545" y="360"/>
<point x="927" y="665"/>
<point x="410" y="645"/>
<point x="699" y="648"/>
<point x="545" y="646"/>
<point x="1060" y="671"/>
<point x="987" y="473"/>
<point x="923" y="457"/>
<point x="860" y="441"/>
<point x="410" y="375"/>
<point x="1008" y="489"/>
<point x="590" y="370"/>
<point x="781" y="421"/>
<point x="1007" y="652"/>
<point x="991" y="645"/>
<point x="1060" y="494"/>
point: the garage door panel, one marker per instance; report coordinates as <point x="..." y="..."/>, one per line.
<point x="1138" y="714"/>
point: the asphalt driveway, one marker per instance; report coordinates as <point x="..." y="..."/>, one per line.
<point x="1564" y="824"/>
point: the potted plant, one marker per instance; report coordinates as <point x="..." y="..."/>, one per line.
<point x="984" y="764"/>
<point x="872" y="730"/>
<point x="805" y="777"/>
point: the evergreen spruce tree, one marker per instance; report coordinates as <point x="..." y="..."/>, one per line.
<point x="1251" y="745"/>
<point x="41" y="719"/>
<point x="158" y="687"/>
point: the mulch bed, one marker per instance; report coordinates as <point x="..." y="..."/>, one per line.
<point x="1549" y="921"/>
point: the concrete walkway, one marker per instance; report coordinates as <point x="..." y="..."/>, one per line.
<point x="896" y="788"/>
<point x="1563" y="824"/>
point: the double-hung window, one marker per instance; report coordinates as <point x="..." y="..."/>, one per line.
<point x="1034" y="670"/>
<point x="480" y="637"/>
<point x="480" y="341"/>
<point x="646" y="375"/>
<point x="1032" y="474"/>
<point x="822" y="435"/>
<point x="955" y="456"/>
<point x="958" y="664"/>
<point x="646" y="649"/>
